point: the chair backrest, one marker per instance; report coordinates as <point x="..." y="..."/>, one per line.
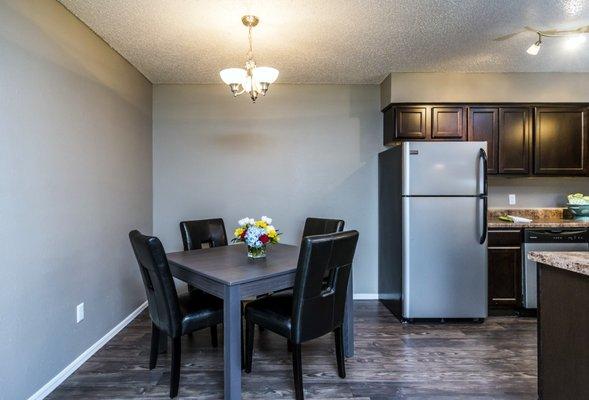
<point x="210" y="231"/>
<point x="320" y="226"/>
<point x="162" y="297"/>
<point x="318" y="303"/>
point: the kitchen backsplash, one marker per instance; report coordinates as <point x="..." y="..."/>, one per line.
<point x="534" y="191"/>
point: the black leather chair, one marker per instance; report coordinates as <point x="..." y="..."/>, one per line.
<point x="320" y="226"/>
<point x="194" y="234"/>
<point x="210" y="231"/>
<point x="316" y="306"/>
<point x="170" y="314"/>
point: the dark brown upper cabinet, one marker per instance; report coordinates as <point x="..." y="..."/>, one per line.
<point x="514" y="140"/>
<point x="448" y="123"/>
<point x="483" y="126"/>
<point x="411" y="123"/>
<point x="560" y="141"/>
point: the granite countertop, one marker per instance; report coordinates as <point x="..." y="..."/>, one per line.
<point x="539" y="223"/>
<point x="575" y="261"/>
<point x="541" y="218"/>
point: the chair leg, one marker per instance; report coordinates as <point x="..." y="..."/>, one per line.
<point x="339" y="352"/>
<point x="214" y="339"/>
<point x="175" y="374"/>
<point x="297" y="369"/>
<point x="249" y="350"/>
<point x="155" y="345"/>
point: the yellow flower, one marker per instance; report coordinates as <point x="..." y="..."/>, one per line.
<point x="238" y="232"/>
<point x="261" y="224"/>
<point x="271" y="232"/>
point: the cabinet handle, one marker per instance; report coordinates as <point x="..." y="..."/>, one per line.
<point x="504" y="248"/>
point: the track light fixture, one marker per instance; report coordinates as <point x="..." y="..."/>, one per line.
<point x="574" y="38"/>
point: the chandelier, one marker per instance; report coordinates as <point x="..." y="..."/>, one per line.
<point x="253" y="80"/>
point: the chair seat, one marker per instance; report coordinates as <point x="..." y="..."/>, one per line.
<point x="199" y="310"/>
<point x="272" y="312"/>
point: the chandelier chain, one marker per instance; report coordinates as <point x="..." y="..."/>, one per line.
<point x="250" y="53"/>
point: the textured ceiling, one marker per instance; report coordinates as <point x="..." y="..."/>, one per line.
<point x="334" y="41"/>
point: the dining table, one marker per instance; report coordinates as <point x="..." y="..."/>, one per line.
<point x="228" y="273"/>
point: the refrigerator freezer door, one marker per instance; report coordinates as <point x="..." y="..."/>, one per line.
<point x="444" y="265"/>
<point x="443" y="168"/>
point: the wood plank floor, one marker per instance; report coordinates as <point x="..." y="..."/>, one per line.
<point x="493" y="360"/>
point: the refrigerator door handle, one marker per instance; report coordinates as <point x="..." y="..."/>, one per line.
<point x="485" y="184"/>
<point x="483" y="196"/>
<point x="484" y="224"/>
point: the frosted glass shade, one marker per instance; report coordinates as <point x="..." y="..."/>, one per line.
<point x="534" y="49"/>
<point x="265" y="74"/>
<point x="233" y="75"/>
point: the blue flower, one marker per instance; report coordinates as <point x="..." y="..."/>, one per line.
<point x="252" y="237"/>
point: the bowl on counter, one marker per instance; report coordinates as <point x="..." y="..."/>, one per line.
<point x="580" y="211"/>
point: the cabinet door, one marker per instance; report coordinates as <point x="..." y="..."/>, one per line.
<point x="560" y="141"/>
<point x="514" y="140"/>
<point x="411" y="122"/>
<point x="483" y="126"/>
<point x="448" y="123"/>
<point x="504" y="276"/>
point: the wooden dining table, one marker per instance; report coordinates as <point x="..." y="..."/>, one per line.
<point x="227" y="272"/>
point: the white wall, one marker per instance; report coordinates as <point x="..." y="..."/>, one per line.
<point x="304" y="150"/>
<point x="75" y="177"/>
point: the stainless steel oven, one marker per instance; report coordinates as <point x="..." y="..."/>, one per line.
<point x="547" y="240"/>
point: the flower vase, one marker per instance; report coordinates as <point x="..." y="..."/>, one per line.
<point x="256" y="252"/>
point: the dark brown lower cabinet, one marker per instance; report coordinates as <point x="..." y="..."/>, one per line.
<point x="563" y="334"/>
<point x="505" y="269"/>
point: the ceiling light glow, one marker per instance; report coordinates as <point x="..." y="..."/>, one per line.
<point x="573" y="42"/>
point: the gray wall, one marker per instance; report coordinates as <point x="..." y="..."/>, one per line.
<point x="304" y="150"/>
<point x="75" y="177"/>
<point x="400" y="87"/>
<point x="535" y="191"/>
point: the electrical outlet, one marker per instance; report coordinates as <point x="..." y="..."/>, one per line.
<point x="79" y="313"/>
<point x="512" y="199"/>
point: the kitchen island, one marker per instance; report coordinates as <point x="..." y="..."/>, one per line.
<point x="563" y="324"/>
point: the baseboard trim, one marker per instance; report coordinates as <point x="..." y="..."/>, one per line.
<point x="82" y="358"/>
<point x="365" y="296"/>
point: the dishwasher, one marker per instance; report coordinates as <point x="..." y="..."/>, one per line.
<point x="547" y="240"/>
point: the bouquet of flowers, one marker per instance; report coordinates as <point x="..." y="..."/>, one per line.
<point x="256" y="235"/>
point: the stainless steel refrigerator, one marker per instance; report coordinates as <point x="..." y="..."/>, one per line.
<point x="433" y="230"/>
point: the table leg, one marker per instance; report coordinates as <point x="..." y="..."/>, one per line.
<point x="232" y="342"/>
<point x="349" y="320"/>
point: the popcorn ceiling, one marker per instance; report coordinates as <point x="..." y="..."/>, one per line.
<point x="333" y="41"/>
